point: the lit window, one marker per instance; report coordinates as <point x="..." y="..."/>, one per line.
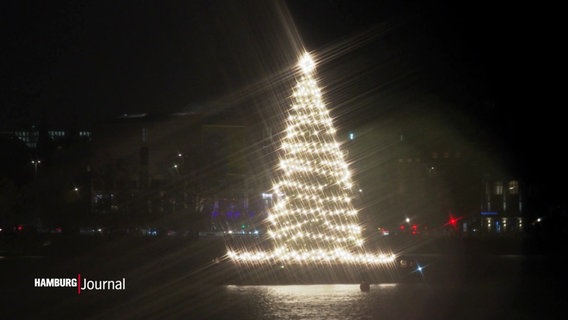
<point x="498" y="188"/>
<point x="513" y="187"/>
<point x="144" y="135"/>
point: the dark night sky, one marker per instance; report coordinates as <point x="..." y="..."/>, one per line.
<point x="84" y="61"/>
<point x="112" y="56"/>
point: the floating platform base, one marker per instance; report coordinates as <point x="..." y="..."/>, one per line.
<point x="239" y="273"/>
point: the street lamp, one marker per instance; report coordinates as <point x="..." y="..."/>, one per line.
<point x="175" y="168"/>
<point x="35" y="163"/>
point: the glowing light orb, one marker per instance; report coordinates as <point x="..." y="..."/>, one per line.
<point x="307" y="64"/>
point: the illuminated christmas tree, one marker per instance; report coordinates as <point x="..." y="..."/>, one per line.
<point x="313" y="219"/>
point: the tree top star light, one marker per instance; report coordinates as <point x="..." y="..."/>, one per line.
<point x="313" y="219"/>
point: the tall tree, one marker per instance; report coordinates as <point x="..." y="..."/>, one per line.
<point x="313" y="218"/>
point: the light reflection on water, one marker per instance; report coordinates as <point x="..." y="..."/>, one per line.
<point x="325" y="302"/>
<point x="412" y="301"/>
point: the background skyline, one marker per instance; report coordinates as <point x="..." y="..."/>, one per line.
<point x="479" y="69"/>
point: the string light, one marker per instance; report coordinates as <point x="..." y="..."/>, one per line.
<point x="313" y="219"/>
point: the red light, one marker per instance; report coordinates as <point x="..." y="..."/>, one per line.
<point x="414" y="229"/>
<point x="453" y="222"/>
<point x="20" y="228"/>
